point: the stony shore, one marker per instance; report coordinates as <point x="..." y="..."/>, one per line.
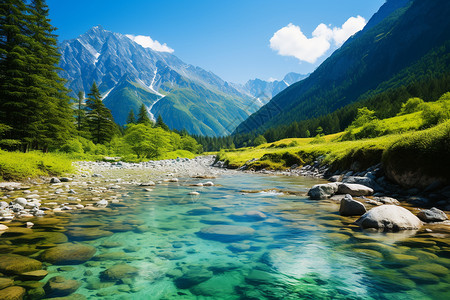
<point x="95" y="185"/>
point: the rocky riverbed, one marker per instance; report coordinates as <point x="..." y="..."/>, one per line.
<point x="183" y="229"/>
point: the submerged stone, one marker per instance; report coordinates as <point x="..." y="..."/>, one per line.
<point x="248" y="216"/>
<point x="18" y="264"/>
<point x="59" y="286"/>
<point x="118" y="272"/>
<point x="226" y="233"/>
<point x="66" y="254"/>
<point x="5" y="282"/>
<point x="13" y="293"/>
<point x="193" y="276"/>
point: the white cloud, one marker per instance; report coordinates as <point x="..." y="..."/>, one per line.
<point x="147" y="42"/>
<point x="291" y="41"/>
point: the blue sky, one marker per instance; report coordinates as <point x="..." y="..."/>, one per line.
<point x="237" y="40"/>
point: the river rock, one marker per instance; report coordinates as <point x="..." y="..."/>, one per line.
<point x="202" y="210"/>
<point x="149" y="183"/>
<point x="59" y="286"/>
<point x="208" y="183"/>
<point x="226" y="233"/>
<point x="5" y="282"/>
<point x="387" y="200"/>
<point x="118" y="272"/>
<point x="21" y="201"/>
<point x="12" y="293"/>
<point x="66" y="254"/>
<point x="389" y="217"/>
<point x="193" y="276"/>
<point x="88" y="233"/>
<point x="355" y="190"/>
<point x="350" y="207"/>
<point x="248" y="216"/>
<point x="54" y="180"/>
<point x="323" y="191"/>
<point x="432" y="215"/>
<point x="18" y="264"/>
<point x="3" y="227"/>
<point x="102" y="203"/>
<point x="34" y="275"/>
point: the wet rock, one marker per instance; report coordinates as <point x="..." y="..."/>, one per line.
<point x="34" y="275"/>
<point x="36" y="293"/>
<point x="13" y="293"/>
<point x="350" y="207"/>
<point x="118" y="272"/>
<point x="88" y="234"/>
<point x="193" y="276"/>
<point x="432" y="215"/>
<point x="5" y="282"/>
<point x="216" y="286"/>
<point x="239" y="247"/>
<point x="389" y="217"/>
<point x="149" y="183"/>
<point x="226" y="233"/>
<point x="18" y="264"/>
<point x="54" y="180"/>
<point x="102" y="203"/>
<point x="59" y="286"/>
<point x="66" y="254"/>
<point x="323" y="191"/>
<point x="355" y="190"/>
<point x="260" y="277"/>
<point x="202" y="210"/>
<point x="208" y="183"/>
<point x="387" y="200"/>
<point x="111" y="244"/>
<point x="194" y="193"/>
<point x="3" y="227"/>
<point x="117" y="255"/>
<point x="248" y="216"/>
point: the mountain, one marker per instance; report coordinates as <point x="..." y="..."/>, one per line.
<point x="266" y="90"/>
<point x="405" y="41"/>
<point x="129" y="75"/>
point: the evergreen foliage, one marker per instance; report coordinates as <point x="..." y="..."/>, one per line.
<point x="99" y="119"/>
<point x="131" y="119"/>
<point x="33" y="99"/>
<point x="160" y="123"/>
<point x="142" y="117"/>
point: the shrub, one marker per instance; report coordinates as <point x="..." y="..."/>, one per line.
<point x="411" y="106"/>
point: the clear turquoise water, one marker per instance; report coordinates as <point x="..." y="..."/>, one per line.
<point x="302" y="250"/>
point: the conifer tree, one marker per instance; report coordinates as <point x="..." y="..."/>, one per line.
<point x="55" y="123"/>
<point x="16" y="102"/>
<point x="160" y="123"/>
<point x="80" y="112"/>
<point x="131" y="118"/>
<point x="142" y="117"/>
<point x="99" y="119"/>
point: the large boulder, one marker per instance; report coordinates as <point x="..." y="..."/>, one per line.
<point x="18" y="264"/>
<point x="432" y="215"/>
<point x="366" y="181"/>
<point x="193" y="276"/>
<point x="59" y="286"/>
<point x="350" y="207"/>
<point x="389" y="217"/>
<point x="65" y="254"/>
<point x="323" y="191"/>
<point x="226" y="233"/>
<point x="354" y="189"/>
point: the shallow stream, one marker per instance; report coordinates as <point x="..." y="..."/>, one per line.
<point x="230" y="243"/>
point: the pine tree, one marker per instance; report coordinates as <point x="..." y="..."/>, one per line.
<point x="131" y="118"/>
<point x="142" y="117"/>
<point x="80" y="112"/>
<point x="17" y="105"/>
<point x="99" y="118"/>
<point x="160" y="123"/>
<point x="55" y="123"/>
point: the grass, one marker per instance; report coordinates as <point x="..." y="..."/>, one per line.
<point x="425" y="150"/>
<point x="18" y="165"/>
